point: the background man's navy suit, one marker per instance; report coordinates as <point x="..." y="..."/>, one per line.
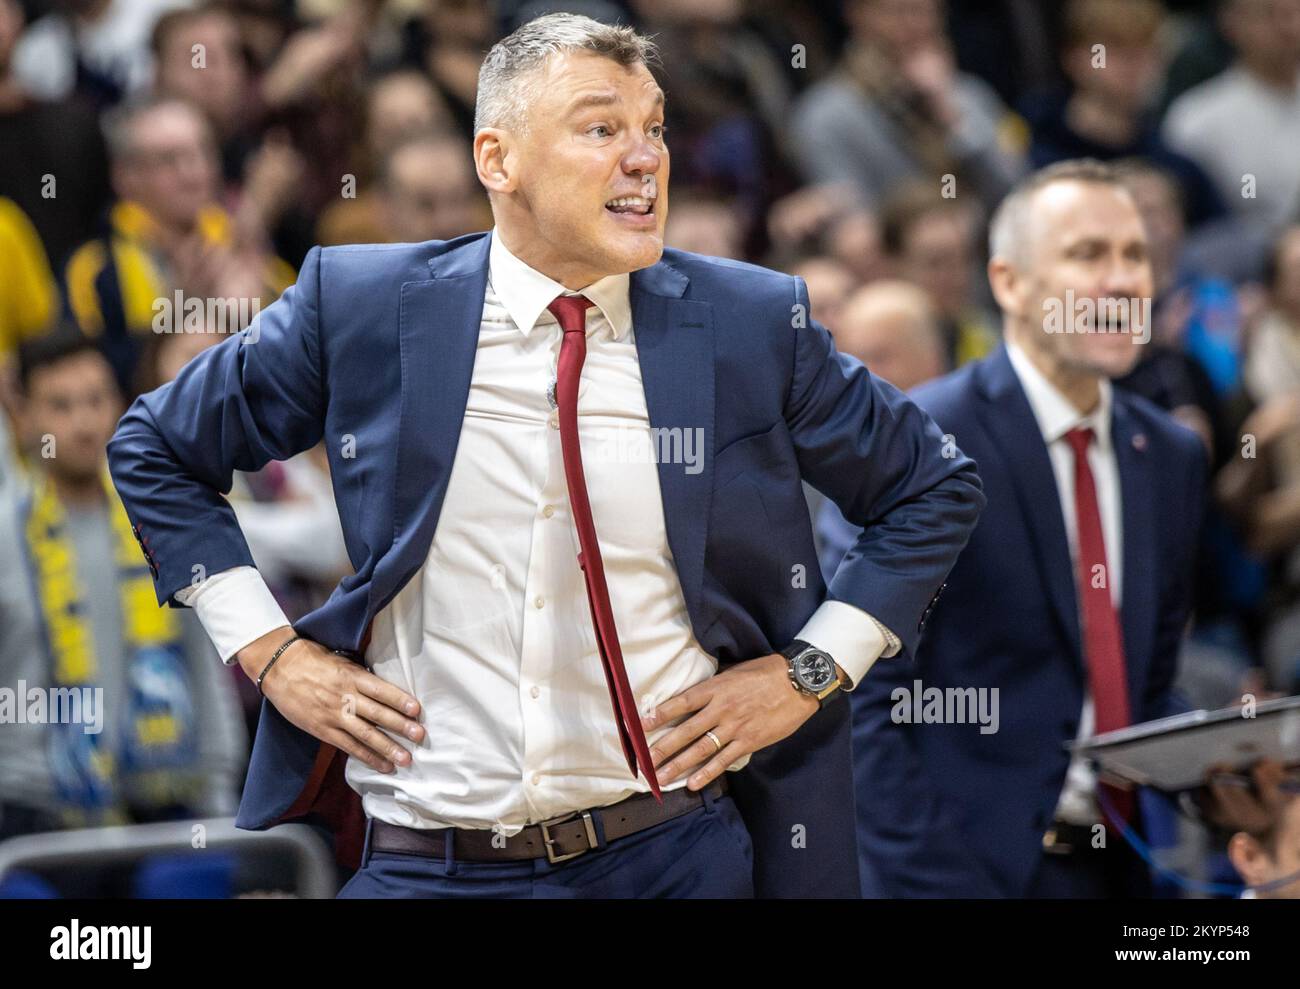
<point x="942" y="809"/>
<point x="372" y="351"/>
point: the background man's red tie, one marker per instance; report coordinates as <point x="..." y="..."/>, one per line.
<point x="1103" y="644"/>
<point x="571" y="311"/>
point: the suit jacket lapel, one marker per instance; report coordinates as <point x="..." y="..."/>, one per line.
<point x="1010" y="423"/>
<point x="439" y="327"/>
<point x="674" y="343"/>
<point x="1141" y="570"/>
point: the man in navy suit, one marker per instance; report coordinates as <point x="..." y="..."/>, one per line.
<point x="518" y="708"/>
<point x="1063" y="616"/>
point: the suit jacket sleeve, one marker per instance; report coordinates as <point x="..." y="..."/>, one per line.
<point x="253" y="398"/>
<point x="889" y="468"/>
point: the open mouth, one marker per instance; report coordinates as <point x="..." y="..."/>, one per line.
<point x="631" y="206"/>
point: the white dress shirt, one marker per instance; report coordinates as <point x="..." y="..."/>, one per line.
<point x="1056" y="416"/>
<point x="493" y="636"/>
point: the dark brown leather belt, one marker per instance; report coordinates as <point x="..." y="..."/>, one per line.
<point x="555" y="840"/>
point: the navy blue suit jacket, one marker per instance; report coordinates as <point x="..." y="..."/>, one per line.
<point x="944" y="810"/>
<point x="377" y="344"/>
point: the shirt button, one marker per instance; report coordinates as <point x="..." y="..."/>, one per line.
<point x="548" y="511"/>
<point x="536" y="691"/>
<point x="554" y="422"/>
<point x="539" y="601"/>
<point x="536" y="778"/>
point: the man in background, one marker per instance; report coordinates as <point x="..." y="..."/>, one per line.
<point x="166" y="740"/>
<point x="1063" y="617"/>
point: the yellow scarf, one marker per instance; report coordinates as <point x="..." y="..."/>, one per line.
<point x="154" y="764"/>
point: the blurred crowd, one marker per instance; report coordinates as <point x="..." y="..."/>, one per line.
<point x="196" y="149"/>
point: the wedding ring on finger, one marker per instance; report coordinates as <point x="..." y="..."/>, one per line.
<point x="715" y="741"/>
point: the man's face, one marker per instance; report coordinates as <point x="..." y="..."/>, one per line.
<point x="1259" y="864"/>
<point x="898" y="353"/>
<point x="596" y="135"/>
<point x="173" y="170"/>
<point x="1264" y="31"/>
<point x="1128" y="80"/>
<point x="430" y="194"/>
<point x="1083" y="257"/>
<point x="75" y="401"/>
<point x="400" y="106"/>
<point x="1157" y="202"/>
<point x="217" y="85"/>
<point x="937" y="256"/>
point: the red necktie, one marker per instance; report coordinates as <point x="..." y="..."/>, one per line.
<point x="1103" y="643"/>
<point x="571" y="311"/>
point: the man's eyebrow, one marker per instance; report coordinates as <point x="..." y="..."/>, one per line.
<point x="588" y="100"/>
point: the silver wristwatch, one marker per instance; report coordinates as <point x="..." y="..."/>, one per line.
<point x="813" y="672"/>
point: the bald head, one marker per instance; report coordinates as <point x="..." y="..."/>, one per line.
<point x="891" y="327"/>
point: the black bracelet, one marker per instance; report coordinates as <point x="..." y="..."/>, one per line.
<point x="278" y="653"/>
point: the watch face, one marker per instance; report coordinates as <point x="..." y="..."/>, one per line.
<point x="815" y="670"/>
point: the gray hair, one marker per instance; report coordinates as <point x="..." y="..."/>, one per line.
<point x="1007" y="228"/>
<point x="118" y="124"/>
<point x="502" y="91"/>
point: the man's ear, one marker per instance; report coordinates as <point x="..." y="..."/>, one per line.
<point x="1005" y="282"/>
<point x="494" y="160"/>
<point x="1248" y="858"/>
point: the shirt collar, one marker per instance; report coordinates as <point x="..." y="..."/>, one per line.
<point x="1055" y="414"/>
<point x="525" y="292"/>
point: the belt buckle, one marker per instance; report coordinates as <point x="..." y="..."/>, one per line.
<point x="548" y="841"/>
<point x="1055" y="845"/>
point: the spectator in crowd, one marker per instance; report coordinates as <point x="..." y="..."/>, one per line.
<point x="428" y="190"/>
<point x="893" y="328"/>
<point x="932" y="241"/>
<point x="1189" y="366"/>
<point x="28" y="294"/>
<point x="898" y="108"/>
<point x="166" y="233"/>
<point x="1260" y="483"/>
<point x="447" y="44"/>
<point x="729" y="98"/>
<point x="54" y="167"/>
<point x="1272" y="378"/>
<point x="1073" y="632"/>
<point x="1007" y="43"/>
<point x="1264" y="812"/>
<point x="199" y="59"/>
<point x="399" y="106"/>
<point x="705" y="224"/>
<point x="1243" y="126"/>
<point x="1114" y="65"/>
<point x="854" y="239"/>
<point x="98" y="49"/>
<point x="825" y="221"/>
<point x="166" y="739"/>
<point x="1273" y="367"/>
<point x="1192" y="364"/>
<point x="829" y="286"/>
